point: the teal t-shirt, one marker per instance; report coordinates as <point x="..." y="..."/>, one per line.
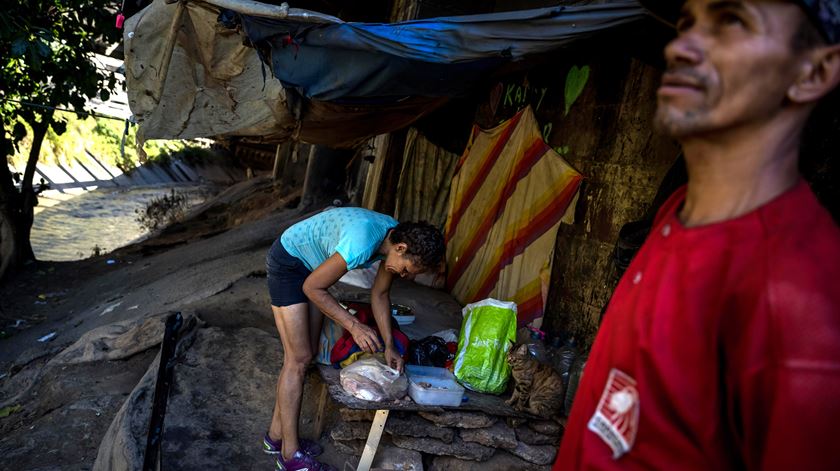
<point x="355" y="233"/>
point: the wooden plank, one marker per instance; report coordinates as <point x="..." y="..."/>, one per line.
<point x="376" y="429"/>
<point x="487" y="403"/>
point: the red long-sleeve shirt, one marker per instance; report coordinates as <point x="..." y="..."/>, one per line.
<point x="720" y="348"/>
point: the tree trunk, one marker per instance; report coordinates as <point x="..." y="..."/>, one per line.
<point x="9" y="204"/>
<point x="27" y="192"/>
<point x="7" y="243"/>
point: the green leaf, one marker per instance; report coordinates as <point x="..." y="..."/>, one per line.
<point x="9" y="410"/>
<point x="104" y="95"/>
<point x="575" y="82"/>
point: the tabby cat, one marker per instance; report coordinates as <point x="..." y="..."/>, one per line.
<point x="538" y="388"/>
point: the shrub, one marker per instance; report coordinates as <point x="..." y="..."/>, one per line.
<point x="162" y="211"/>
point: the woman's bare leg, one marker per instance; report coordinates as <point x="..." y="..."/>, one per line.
<point x="293" y="324"/>
<point x="316" y="321"/>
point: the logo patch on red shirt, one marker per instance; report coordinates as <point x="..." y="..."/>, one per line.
<point x="616" y="419"/>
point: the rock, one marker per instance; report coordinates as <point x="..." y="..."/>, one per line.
<point x="410" y="426"/>
<point x="350" y="431"/>
<point x="525" y="434"/>
<point x="416" y="426"/>
<point x="460" y="419"/>
<point x="458" y="448"/>
<point x="350" y="447"/>
<point x="497" y="436"/>
<point x="124" y="442"/>
<point x="398" y="459"/>
<point x="546" y="427"/>
<point x="501" y="461"/>
<point x="356" y="415"/>
<point x="537" y="454"/>
<point x="118" y="340"/>
<point x="220" y="382"/>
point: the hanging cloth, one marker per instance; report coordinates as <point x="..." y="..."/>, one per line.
<point x="423" y="189"/>
<point x="509" y="194"/>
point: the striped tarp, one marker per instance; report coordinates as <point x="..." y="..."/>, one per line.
<point x="509" y="194"/>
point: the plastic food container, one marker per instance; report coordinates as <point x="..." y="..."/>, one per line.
<point x="402" y="314"/>
<point x="433" y="386"/>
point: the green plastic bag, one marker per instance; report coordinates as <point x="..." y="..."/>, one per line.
<point x="488" y="330"/>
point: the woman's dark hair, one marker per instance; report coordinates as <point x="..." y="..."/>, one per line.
<point x="807" y="36"/>
<point x="424" y="242"/>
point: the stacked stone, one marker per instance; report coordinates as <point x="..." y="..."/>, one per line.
<point x="453" y="440"/>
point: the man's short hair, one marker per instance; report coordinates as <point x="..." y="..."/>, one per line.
<point x="823" y="15"/>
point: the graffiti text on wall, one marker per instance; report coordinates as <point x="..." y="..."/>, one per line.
<point x="518" y="95"/>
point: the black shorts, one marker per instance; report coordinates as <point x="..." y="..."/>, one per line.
<point x="286" y="275"/>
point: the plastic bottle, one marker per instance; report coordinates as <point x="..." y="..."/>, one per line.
<point x="536" y="347"/>
<point x="565" y="358"/>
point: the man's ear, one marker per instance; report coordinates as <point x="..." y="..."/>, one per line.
<point x="820" y="74"/>
<point x="401" y="247"/>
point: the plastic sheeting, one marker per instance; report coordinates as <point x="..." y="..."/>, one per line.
<point x="215" y="86"/>
<point x="189" y="76"/>
<point x="433" y="57"/>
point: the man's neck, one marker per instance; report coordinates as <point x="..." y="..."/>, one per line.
<point x="735" y="172"/>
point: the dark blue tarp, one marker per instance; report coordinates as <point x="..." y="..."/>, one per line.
<point x="439" y="57"/>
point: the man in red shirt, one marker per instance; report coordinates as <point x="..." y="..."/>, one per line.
<point x="720" y="348"/>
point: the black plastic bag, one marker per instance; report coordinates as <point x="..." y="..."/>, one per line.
<point x="429" y="351"/>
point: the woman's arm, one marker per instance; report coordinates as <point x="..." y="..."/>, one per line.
<point x="315" y="288"/>
<point x="380" y="303"/>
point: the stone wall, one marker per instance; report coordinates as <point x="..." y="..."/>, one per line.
<point x="452" y="440"/>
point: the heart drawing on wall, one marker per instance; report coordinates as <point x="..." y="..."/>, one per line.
<point x="575" y="82"/>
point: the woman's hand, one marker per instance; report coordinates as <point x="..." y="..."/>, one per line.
<point x="393" y="358"/>
<point x="365" y="337"/>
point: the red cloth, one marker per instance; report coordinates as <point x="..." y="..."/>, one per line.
<point x="346" y="345"/>
<point x="725" y="340"/>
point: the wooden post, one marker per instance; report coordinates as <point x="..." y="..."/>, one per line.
<point x="386" y="197"/>
<point x="321" y="411"/>
<point x="325" y="178"/>
<point x="275" y="173"/>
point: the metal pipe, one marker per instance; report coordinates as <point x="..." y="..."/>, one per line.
<point x="279" y="12"/>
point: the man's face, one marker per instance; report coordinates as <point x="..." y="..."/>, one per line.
<point x="731" y="65"/>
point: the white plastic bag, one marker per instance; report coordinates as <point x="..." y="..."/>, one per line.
<point x="448" y="335"/>
<point x="372" y="380"/>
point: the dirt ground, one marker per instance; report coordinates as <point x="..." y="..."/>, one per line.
<point x="62" y="396"/>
